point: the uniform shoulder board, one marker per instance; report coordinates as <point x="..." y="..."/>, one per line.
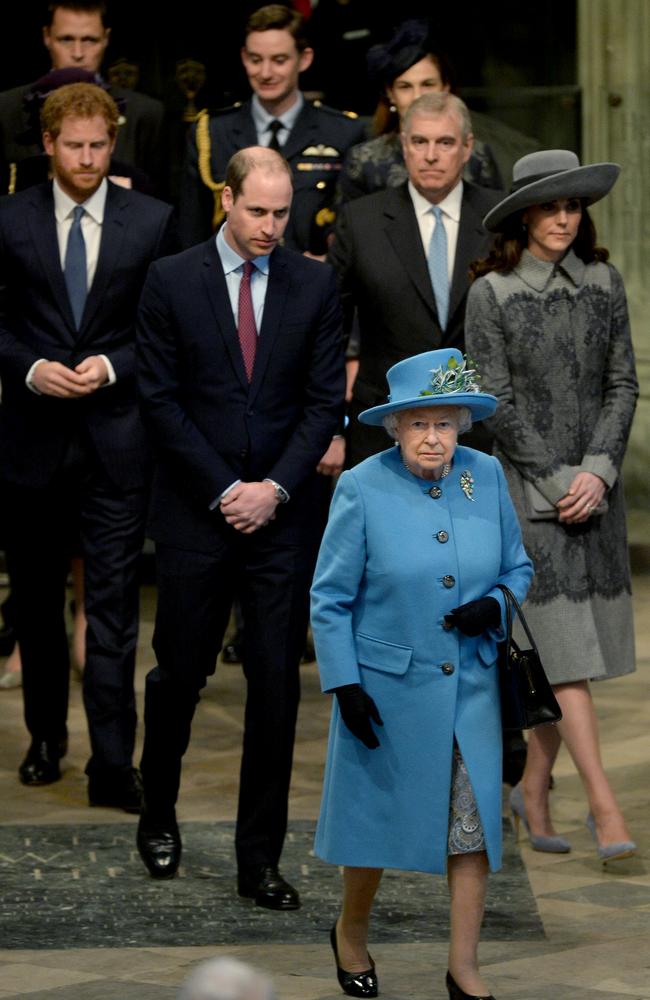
<point x="228" y="110"/>
<point x="334" y="111"/>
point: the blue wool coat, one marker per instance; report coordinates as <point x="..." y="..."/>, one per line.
<point x="392" y="563"/>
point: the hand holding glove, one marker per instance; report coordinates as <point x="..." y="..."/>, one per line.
<point x="476" y="616"/>
<point x="358" y="711"/>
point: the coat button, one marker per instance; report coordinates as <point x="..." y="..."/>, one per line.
<point x="448" y="582"/>
<point x="447" y="668"/>
<point x="435" y="492"/>
<point x="442" y="536"/>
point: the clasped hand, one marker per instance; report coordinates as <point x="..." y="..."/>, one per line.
<point x="475" y="616"/>
<point x="582" y="498"/>
<point x="249" y="506"/>
<point x="51" y="378"/>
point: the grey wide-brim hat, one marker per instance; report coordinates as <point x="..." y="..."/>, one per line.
<point x="549" y="174"/>
<point x="435" y="378"/>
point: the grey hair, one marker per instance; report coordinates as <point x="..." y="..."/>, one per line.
<point x="439" y="103"/>
<point x="391" y="420"/>
<point x="226" y="979"/>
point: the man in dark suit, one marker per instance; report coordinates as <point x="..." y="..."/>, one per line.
<point x="76" y="36"/>
<point x="241" y="378"/>
<point x="387" y="259"/>
<point x="73" y="455"/>
<point x="313" y="138"/>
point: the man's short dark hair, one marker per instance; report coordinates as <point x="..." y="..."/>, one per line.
<point x="78" y="7"/>
<point x="244" y="161"/>
<point x="277" y="17"/>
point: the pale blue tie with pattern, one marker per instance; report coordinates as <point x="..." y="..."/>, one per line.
<point x="74" y="269"/>
<point x="437" y="262"/>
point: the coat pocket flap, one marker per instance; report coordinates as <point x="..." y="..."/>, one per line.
<point x="381" y="655"/>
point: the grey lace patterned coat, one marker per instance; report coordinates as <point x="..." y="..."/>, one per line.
<point x="552" y="342"/>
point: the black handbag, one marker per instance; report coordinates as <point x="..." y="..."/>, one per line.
<point x="527" y="698"/>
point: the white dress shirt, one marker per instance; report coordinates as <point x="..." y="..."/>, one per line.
<point x="262" y="119"/>
<point x="450" y="208"/>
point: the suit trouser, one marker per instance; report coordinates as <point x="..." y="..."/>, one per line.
<point x="195" y="592"/>
<point x="45" y="525"/>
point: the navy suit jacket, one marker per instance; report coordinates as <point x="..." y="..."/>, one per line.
<point x="36" y="322"/>
<point x="209" y="425"/>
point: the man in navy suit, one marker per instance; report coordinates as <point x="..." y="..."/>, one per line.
<point x="73" y="454"/>
<point x="241" y="378"/>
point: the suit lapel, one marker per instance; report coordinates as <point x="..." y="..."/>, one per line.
<point x="42" y="226"/>
<point x="217" y="291"/>
<point x="277" y="290"/>
<point x="404" y="234"/>
<point x="114" y="227"/>
<point x="471" y="239"/>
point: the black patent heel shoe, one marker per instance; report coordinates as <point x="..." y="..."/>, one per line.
<point x="355" y="984"/>
<point x="455" y="992"/>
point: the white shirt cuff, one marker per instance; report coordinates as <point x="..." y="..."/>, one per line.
<point x="29" y="377"/>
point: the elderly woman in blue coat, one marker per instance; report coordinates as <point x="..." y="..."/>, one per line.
<point x="406" y="615"/>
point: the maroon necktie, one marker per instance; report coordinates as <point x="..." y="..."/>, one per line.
<point x="247" y="330"/>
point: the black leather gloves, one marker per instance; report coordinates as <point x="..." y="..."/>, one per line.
<point x="358" y="710"/>
<point x="476" y="616"/>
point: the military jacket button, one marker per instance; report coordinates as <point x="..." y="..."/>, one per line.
<point x="448" y="582"/>
<point x="447" y="668"/>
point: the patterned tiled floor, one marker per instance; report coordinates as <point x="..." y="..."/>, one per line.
<point x="596" y="923"/>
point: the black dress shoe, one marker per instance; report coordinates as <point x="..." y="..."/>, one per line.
<point x="265" y="885"/>
<point x="41" y="765"/>
<point x="121" y="790"/>
<point x="455" y="992"/>
<point x="355" y="984"/>
<point x="160" y="846"/>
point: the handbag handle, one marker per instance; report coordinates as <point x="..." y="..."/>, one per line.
<point x="511" y="601"/>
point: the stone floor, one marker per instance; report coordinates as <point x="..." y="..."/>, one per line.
<point x="594" y="941"/>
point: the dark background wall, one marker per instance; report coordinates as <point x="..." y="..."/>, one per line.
<point x="513" y="61"/>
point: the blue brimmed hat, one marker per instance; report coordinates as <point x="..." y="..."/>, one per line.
<point x="435" y="378"/>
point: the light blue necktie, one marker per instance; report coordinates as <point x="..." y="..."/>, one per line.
<point x="437" y="262"/>
<point x="75" y="267"/>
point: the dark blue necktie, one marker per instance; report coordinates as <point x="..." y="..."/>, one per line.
<point x="437" y="261"/>
<point x="75" y="267"/>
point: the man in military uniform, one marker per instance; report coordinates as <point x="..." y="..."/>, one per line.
<point x="313" y="138"/>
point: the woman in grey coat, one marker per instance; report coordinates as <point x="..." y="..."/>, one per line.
<point x="547" y="323"/>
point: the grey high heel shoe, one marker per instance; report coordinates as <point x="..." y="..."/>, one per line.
<point x="610" y="852"/>
<point x="550" y="845"/>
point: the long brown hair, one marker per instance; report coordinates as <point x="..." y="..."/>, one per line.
<point x="513" y="240"/>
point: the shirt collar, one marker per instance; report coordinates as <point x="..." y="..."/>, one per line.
<point x="538" y="273"/>
<point x="231" y="260"/>
<point x="94" y="206"/>
<point x="263" y="119"/>
<point x="449" y="206"/>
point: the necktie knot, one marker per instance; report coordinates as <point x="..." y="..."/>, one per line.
<point x="77" y="213"/>
<point x="274" y="127"/>
<point x="249" y="267"/>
